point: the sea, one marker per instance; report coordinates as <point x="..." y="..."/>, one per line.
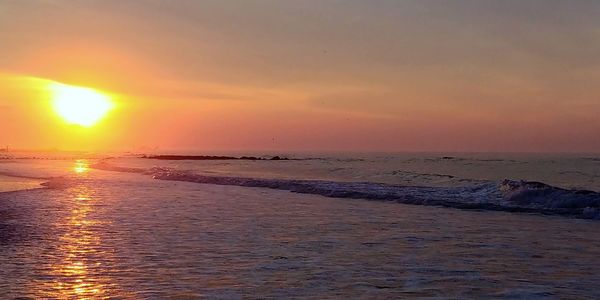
<point x="299" y="225"/>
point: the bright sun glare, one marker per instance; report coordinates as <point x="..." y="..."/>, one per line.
<point x="78" y="105"/>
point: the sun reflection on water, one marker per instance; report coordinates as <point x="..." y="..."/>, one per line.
<point x="79" y="270"/>
<point x="81" y="166"/>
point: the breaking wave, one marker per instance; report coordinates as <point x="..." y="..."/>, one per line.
<point x="508" y="195"/>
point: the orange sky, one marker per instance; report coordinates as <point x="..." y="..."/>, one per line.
<point x="307" y="75"/>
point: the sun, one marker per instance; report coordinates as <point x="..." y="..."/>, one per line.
<point x="79" y="105"/>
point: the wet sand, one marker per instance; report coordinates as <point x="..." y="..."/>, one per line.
<point x="10" y="183"/>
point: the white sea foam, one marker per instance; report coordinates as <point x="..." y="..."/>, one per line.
<point x="508" y="195"/>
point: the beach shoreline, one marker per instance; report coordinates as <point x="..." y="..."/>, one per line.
<point x="10" y="184"/>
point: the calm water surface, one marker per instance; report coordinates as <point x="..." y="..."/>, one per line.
<point x="111" y="234"/>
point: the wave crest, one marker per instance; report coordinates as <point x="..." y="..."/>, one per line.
<point x="508" y="195"/>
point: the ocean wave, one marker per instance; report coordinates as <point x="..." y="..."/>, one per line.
<point x="531" y="193"/>
<point x="580" y="173"/>
<point x="429" y="176"/>
<point x="415" y="174"/>
<point x="509" y="195"/>
<point x="465" y="160"/>
<point x="592" y="159"/>
<point x="432" y="178"/>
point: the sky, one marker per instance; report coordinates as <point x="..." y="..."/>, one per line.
<point x="249" y="75"/>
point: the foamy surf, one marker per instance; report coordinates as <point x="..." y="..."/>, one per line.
<point x="508" y="195"/>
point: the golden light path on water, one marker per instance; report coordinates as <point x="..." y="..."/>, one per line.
<point x="79" y="266"/>
<point x="81" y="166"/>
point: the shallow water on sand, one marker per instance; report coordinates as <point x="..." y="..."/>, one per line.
<point x="9" y="183"/>
<point x="115" y="234"/>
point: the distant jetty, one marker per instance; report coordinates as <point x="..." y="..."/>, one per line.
<point x="211" y="157"/>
